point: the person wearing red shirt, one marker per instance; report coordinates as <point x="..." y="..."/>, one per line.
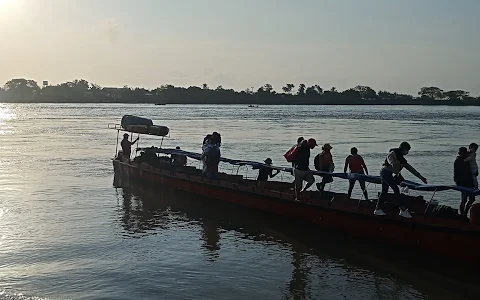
<point x="357" y="166"/>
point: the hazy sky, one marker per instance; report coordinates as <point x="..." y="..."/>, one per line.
<point x="395" y="45"/>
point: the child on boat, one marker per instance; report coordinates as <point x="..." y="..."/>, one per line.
<point x="265" y="172"/>
<point x="472" y="153"/>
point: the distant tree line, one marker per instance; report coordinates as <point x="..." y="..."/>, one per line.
<point x="81" y="91"/>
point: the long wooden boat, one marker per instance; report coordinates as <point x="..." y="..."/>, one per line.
<point x="448" y="238"/>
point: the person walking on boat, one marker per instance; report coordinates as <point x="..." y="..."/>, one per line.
<point x="299" y="142"/>
<point x="324" y="162"/>
<point x="472" y="154"/>
<point x="127" y="147"/>
<point x="390" y="177"/>
<point x="463" y="177"/>
<point x="357" y="166"/>
<point x="266" y="172"/>
<point x="301" y="167"/>
<point x="211" y="157"/>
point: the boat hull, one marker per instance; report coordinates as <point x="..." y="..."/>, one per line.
<point x="423" y="235"/>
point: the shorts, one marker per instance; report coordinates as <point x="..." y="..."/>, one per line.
<point x="301" y="176"/>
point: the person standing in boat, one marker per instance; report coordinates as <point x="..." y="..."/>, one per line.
<point x="299" y="141"/>
<point x="266" y="172"/>
<point x="357" y="166"/>
<point x="301" y="167"/>
<point x="211" y="157"/>
<point x="390" y="177"/>
<point x="127" y="147"/>
<point x="463" y="177"/>
<point x="324" y="162"/>
<point x="472" y="154"/>
<point x="217" y="137"/>
<point x="179" y="159"/>
<point x="206" y="143"/>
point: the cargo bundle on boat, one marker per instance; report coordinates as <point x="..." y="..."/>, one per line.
<point x="435" y="230"/>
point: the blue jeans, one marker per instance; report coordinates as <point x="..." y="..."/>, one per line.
<point x="388" y="181"/>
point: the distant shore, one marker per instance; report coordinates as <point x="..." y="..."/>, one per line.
<point x="81" y="91"/>
<point x="372" y="103"/>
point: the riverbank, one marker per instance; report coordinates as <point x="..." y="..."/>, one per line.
<point x="257" y="104"/>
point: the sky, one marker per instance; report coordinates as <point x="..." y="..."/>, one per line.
<point x="391" y="45"/>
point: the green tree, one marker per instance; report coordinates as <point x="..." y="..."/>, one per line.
<point x="432" y="92"/>
<point x="456" y="95"/>
<point x="288" y="88"/>
<point x="319" y="89"/>
<point x="311" y="91"/>
<point x="95" y="87"/>
<point x="21" y="85"/>
<point x="268" y="88"/>
<point x="366" y="92"/>
<point x="205" y="86"/>
<point x="301" y="89"/>
<point x="21" y="88"/>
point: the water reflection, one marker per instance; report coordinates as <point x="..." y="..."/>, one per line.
<point x="322" y="264"/>
<point x="297" y="287"/>
<point x="144" y="209"/>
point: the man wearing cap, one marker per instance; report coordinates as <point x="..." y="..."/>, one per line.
<point x="127" y="147"/>
<point x="266" y="172"/>
<point x="325" y="164"/>
<point x="301" y="163"/>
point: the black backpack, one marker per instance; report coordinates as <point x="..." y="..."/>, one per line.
<point x="316" y="162"/>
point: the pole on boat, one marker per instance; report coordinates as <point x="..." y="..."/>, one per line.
<point x="116" y="146"/>
<point x="429" y="202"/>
<point x="138" y="140"/>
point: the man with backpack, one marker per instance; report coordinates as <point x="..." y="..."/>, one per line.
<point x="211" y="157"/>
<point x="301" y="162"/>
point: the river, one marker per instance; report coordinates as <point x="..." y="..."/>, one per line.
<point x="68" y="232"/>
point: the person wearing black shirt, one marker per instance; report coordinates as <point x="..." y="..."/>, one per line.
<point x="463" y="177"/>
<point x="266" y="172"/>
<point x="127" y="147"/>
<point x="302" y="171"/>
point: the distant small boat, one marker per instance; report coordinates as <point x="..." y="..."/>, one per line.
<point x="251" y="105"/>
<point x="159" y="103"/>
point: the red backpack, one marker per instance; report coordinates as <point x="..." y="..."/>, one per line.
<point x="291" y="154"/>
